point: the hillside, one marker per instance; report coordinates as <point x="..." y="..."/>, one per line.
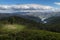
<point x="20" y="28"/>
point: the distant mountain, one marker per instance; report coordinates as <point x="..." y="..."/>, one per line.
<point x="32" y="16"/>
<point x="7" y="15"/>
<point x="30" y="11"/>
<point x="53" y="20"/>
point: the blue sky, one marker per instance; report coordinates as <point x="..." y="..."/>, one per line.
<point x="42" y="2"/>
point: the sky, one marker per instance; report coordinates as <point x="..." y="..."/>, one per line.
<point x="16" y="6"/>
<point x="54" y="3"/>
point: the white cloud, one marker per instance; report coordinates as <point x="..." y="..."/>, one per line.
<point x="25" y="8"/>
<point x="57" y="3"/>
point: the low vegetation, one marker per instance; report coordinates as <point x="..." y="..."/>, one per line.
<point x="17" y="28"/>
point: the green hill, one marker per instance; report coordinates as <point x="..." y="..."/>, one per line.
<point x="17" y="28"/>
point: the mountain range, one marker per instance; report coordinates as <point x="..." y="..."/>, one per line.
<point x="30" y="11"/>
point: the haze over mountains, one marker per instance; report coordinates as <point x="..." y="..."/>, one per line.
<point x="40" y="11"/>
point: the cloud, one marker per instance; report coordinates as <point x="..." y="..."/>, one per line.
<point x="25" y="8"/>
<point x="57" y="3"/>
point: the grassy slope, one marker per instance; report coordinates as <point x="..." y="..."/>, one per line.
<point x="21" y="33"/>
<point x="12" y="28"/>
